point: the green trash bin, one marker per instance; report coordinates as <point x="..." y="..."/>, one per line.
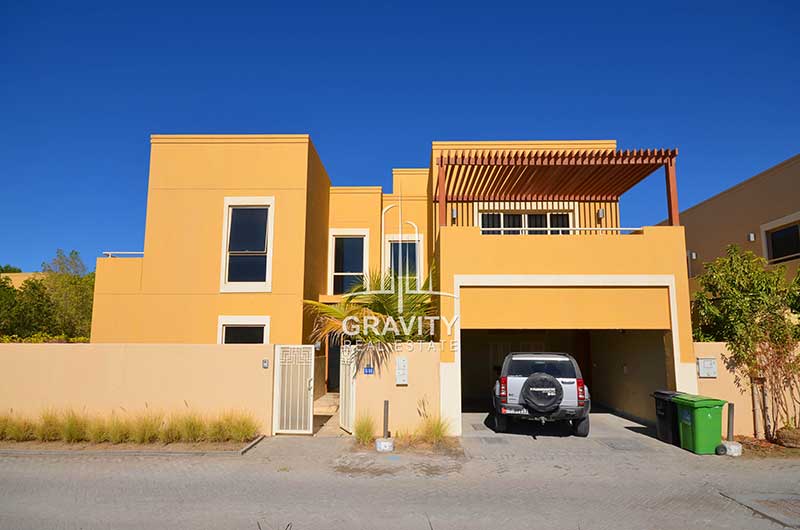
<point x="699" y="422"/>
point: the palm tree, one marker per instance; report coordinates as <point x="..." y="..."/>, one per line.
<point x="391" y="306"/>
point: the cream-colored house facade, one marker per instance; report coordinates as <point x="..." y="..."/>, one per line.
<point x="525" y="238"/>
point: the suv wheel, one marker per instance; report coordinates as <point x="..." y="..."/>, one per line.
<point x="500" y="422"/>
<point x="581" y="427"/>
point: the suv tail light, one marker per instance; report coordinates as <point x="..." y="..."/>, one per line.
<point x="581" y="393"/>
<point x="504" y="389"/>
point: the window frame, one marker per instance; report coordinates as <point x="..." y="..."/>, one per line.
<point x="246" y="202"/>
<point x="242" y="320"/>
<point x="766" y="236"/>
<point x="524" y="229"/>
<point x="404" y="238"/>
<point x="333" y="233"/>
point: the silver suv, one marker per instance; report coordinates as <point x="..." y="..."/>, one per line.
<point x="542" y="387"/>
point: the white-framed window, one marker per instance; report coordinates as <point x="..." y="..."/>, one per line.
<point x="243" y="329"/>
<point x="348" y="258"/>
<point x="247" y="242"/>
<point x="531" y="223"/>
<point x="781" y="238"/>
<point x="783" y="243"/>
<point x="403" y="255"/>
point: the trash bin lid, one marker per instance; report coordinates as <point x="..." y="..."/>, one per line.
<point x="697" y="402"/>
<point x="665" y="394"/>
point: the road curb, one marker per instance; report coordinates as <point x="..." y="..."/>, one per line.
<point x="79" y="452"/>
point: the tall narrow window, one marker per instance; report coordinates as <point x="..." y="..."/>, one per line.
<point x="490" y="220"/>
<point x="247" y="244"/>
<point x="559" y="220"/>
<point x="348" y="263"/>
<point x="403" y="259"/>
<point x="537" y="223"/>
<point x="247" y="233"/>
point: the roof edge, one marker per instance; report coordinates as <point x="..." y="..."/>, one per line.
<point x="229" y="138"/>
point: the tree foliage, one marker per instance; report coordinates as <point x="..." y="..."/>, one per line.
<point x="752" y="307"/>
<point x="9" y="268"/>
<point x="394" y="304"/>
<point x="52" y="305"/>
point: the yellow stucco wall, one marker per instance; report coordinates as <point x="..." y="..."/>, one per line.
<point x="728" y="218"/>
<point x="655" y="251"/>
<point x="126" y="378"/>
<point x="565" y="308"/>
<point x="178" y="297"/>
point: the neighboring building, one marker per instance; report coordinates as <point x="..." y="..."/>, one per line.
<point x="761" y="214"/>
<point x="525" y="238"/>
<point x="18" y="278"/>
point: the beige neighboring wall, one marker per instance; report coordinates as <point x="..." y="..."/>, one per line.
<point x="18" y="278"/>
<point x="105" y="378"/>
<point x="404" y="401"/>
<point x="724" y="387"/>
<point x="728" y="218"/>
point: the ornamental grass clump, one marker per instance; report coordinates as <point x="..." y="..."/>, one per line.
<point x="74" y="426"/>
<point x="364" y="430"/>
<point x="48" y="428"/>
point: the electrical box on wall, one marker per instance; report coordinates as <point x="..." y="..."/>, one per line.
<point x="401" y="371"/>
<point x="707" y="368"/>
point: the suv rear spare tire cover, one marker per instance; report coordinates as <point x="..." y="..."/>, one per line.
<point x="542" y="392"/>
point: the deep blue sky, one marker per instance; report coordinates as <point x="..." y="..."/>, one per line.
<point x="83" y="86"/>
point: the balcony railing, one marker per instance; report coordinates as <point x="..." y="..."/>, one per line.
<point x="115" y="254"/>
<point x="559" y="231"/>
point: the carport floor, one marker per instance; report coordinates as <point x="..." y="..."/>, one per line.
<point x="608" y="431"/>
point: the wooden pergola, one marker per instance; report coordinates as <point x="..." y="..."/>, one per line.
<point x="549" y="175"/>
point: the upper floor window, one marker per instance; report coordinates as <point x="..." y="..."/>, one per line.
<point x="247" y="256"/>
<point x="515" y="223"/>
<point x="403" y="258"/>
<point x="348" y="263"/>
<point x="784" y="243"/>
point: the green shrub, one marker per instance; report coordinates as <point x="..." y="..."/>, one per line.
<point x="364" y="430"/>
<point x="74" y="427"/>
<point x="191" y="427"/>
<point x="97" y="431"/>
<point x="20" y="429"/>
<point x="117" y="430"/>
<point x="48" y="428"/>
<point x="145" y="428"/>
<point x="433" y="430"/>
<point x="5" y="419"/>
<point x="243" y="427"/>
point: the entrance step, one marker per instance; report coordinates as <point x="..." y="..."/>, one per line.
<point x="327" y="405"/>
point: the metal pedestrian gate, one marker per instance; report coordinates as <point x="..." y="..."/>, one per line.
<point x="347" y="388"/>
<point x="293" y="401"/>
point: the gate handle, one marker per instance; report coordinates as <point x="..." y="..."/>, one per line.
<point x="310" y="383"/>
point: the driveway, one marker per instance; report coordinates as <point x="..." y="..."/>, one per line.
<point x="617" y="478"/>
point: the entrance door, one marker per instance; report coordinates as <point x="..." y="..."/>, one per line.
<point x="293" y="402"/>
<point x="347" y="388"/>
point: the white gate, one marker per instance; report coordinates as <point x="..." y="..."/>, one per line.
<point x="293" y="401"/>
<point x="347" y="388"/>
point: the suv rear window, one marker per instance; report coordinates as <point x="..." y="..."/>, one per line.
<point x="525" y="367"/>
